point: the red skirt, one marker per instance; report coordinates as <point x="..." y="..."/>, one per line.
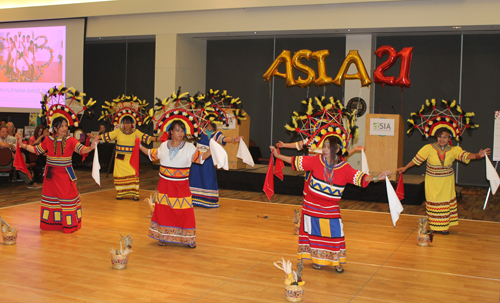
<point x="173" y="218"/>
<point x="61" y="208"/>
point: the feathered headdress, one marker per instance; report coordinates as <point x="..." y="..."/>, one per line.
<point x="179" y="106"/>
<point x="65" y="102"/>
<point x="124" y="106"/>
<point x="323" y="118"/>
<point x="197" y="111"/>
<point x="429" y="119"/>
<point x="218" y="107"/>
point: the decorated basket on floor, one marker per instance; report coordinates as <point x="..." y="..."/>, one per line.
<point x="10" y="237"/>
<point x="9" y="233"/>
<point x="119" y="261"/>
<point x="424" y="235"/>
<point x="423" y="240"/>
<point x="119" y="257"/>
<point x="294" y="285"/>
<point x="296" y="228"/>
<point x="294" y="293"/>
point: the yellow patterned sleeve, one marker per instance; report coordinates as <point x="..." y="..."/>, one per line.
<point x="461" y="154"/>
<point x="106" y="137"/>
<point x="145" y="138"/>
<point x="422" y="155"/>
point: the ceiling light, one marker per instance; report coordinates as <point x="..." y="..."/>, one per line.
<point x="5" y="4"/>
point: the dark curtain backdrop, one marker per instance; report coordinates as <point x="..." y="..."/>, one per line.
<point x="238" y="65"/>
<point x="115" y="68"/>
<point x="435" y="73"/>
<point x="480" y="94"/>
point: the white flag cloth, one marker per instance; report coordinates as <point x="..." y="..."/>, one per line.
<point x="395" y="206"/>
<point x="96" y="167"/>
<point x="219" y="155"/>
<point x="244" y="153"/>
<point x="492" y="176"/>
<point x="364" y="163"/>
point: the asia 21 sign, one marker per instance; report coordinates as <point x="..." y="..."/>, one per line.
<point x="322" y="79"/>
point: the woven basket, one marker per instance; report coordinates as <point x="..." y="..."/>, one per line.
<point x="294" y="293"/>
<point x="119" y="261"/>
<point x="9" y="237"/>
<point x="423" y="239"/>
<point x="297" y="228"/>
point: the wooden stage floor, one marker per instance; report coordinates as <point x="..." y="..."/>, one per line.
<point x="234" y="256"/>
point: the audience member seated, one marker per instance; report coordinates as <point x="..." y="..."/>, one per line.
<point x="38" y="135"/>
<point x="102" y="129"/>
<point x="7" y="141"/>
<point x="11" y="130"/>
<point x="3" y="122"/>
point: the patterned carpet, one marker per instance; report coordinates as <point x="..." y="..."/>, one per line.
<point x="470" y="205"/>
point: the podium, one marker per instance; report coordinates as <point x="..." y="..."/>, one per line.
<point x="235" y="130"/>
<point x="384" y="137"/>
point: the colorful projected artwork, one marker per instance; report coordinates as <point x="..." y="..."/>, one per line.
<point x="32" y="54"/>
<point x="32" y="59"/>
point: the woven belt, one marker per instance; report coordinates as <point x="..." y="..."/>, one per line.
<point x="439" y="171"/>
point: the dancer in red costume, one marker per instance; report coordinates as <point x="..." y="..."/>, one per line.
<point x="321" y="237"/>
<point x="61" y="209"/>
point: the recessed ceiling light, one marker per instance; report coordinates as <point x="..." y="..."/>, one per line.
<point x="30" y="3"/>
<point x="457" y="27"/>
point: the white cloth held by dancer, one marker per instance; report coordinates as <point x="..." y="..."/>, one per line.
<point x="244" y="153"/>
<point x="219" y="155"/>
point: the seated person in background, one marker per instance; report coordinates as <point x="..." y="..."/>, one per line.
<point x="3" y="122"/>
<point x="102" y="129"/>
<point x="11" y="130"/>
<point x="38" y="135"/>
<point x="6" y="142"/>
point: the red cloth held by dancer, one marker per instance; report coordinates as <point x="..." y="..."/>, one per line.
<point x="19" y="162"/>
<point x="269" y="182"/>
<point x="400" y="189"/>
<point x="134" y="159"/>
